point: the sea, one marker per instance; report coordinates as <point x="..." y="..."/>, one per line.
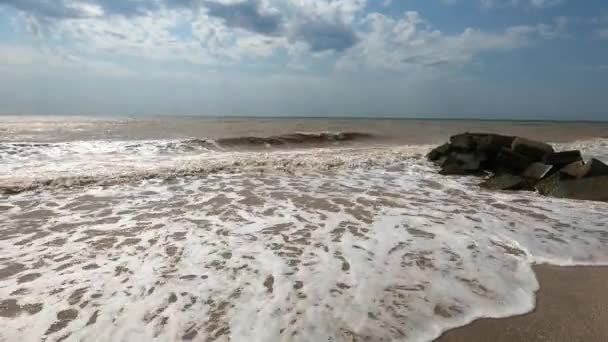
<point x="270" y="229"/>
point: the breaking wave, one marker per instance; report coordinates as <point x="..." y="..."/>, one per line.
<point x="205" y="239"/>
<point x="31" y="166"/>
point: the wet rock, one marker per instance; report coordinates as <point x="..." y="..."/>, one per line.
<point x="510" y="160"/>
<point x="493" y="143"/>
<point x="537" y="171"/>
<point x="438" y="152"/>
<point x="463" y="142"/>
<point x="562" y="158"/>
<point x="596" y="168"/>
<point x="506" y="182"/>
<point x="593" y="188"/>
<point x="522" y="164"/>
<point x="573" y="170"/>
<point x="461" y="164"/>
<point x="593" y="168"/>
<point x="536" y="150"/>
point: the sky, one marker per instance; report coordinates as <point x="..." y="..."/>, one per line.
<point x="489" y="59"/>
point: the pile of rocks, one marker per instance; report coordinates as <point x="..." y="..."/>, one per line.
<point x="515" y="163"/>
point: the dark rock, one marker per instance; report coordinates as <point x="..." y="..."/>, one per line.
<point x="537" y="171"/>
<point x="562" y="158"/>
<point x="574" y="170"/>
<point x="592" y="189"/>
<point x="593" y="168"/>
<point x="493" y="142"/>
<point x="596" y="168"/>
<point x="509" y="160"/>
<point x="438" y="152"/>
<point x="463" y="142"/>
<point x="505" y="182"/>
<point x="535" y="150"/>
<point x="460" y="164"/>
<point x="522" y="164"/>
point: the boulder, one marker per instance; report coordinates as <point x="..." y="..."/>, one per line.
<point x="509" y="160"/>
<point x="438" y="152"/>
<point x="536" y="150"/>
<point x="593" y="168"/>
<point x="460" y="164"/>
<point x="537" y="171"/>
<point x="493" y="143"/>
<point x="596" y="168"/>
<point x="506" y="181"/>
<point x="562" y="158"/>
<point x="592" y="189"/>
<point x="463" y="142"/>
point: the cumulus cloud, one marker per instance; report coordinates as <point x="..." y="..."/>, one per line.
<point x="58" y="9"/>
<point x="223" y="32"/>
<point x="409" y="42"/>
<point x="512" y="3"/>
<point x="248" y="15"/>
<point x="323" y="36"/>
<point x="65" y="9"/>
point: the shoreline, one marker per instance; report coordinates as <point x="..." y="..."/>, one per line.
<point x="571" y="305"/>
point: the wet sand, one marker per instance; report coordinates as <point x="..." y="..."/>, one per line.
<point x="572" y="305"/>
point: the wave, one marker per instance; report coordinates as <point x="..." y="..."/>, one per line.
<point x="33" y="166"/>
<point x="121" y="169"/>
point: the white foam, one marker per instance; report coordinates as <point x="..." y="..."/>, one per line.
<point x="387" y="250"/>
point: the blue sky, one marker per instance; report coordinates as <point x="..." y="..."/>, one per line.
<point x="512" y="59"/>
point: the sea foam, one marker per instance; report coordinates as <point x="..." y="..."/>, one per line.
<point x="336" y="245"/>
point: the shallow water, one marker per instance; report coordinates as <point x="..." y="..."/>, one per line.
<point x="333" y="243"/>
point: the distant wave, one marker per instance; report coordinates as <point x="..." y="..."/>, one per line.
<point x="34" y="166"/>
<point x="294" y="139"/>
<point x="77" y="170"/>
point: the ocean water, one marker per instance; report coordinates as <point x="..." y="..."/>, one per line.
<point x="181" y="229"/>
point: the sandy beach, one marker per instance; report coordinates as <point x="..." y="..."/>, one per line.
<point x="571" y="306"/>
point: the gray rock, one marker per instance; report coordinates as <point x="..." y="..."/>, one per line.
<point x="438" y="152"/>
<point x="593" y="168"/>
<point x="509" y="160"/>
<point x="460" y="164"/>
<point x="536" y="150"/>
<point x="537" y="171"/>
<point x="493" y="142"/>
<point x="562" y="158"/>
<point x="592" y="189"/>
<point x="574" y="170"/>
<point x="596" y="168"/>
<point x="463" y="142"/>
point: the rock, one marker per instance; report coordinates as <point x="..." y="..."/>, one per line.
<point x="509" y="160"/>
<point x="505" y="182"/>
<point x="592" y="189"/>
<point x="593" y="168"/>
<point x="535" y="150"/>
<point x="493" y="142"/>
<point x="439" y="152"/>
<point x="460" y="164"/>
<point x="596" y="168"/>
<point x="522" y="164"/>
<point x="575" y="170"/>
<point x="562" y="158"/>
<point x="463" y="142"/>
<point x="537" y="171"/>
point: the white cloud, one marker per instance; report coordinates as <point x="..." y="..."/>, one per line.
<point x="313" y="33"/>
<point x="13" y="57"/>
<point x="410" y="43"/>
<point x="538" y="4"/>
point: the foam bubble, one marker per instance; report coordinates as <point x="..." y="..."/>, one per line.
<point x="384" y="250"/>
